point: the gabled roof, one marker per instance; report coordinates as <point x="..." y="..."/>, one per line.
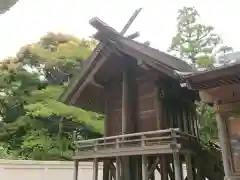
<point x="107" y="35"/>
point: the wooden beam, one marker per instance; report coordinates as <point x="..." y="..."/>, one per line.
<point x="95" y="169"/>
<point x="89" y="78"/>
<point x="76" y="162"/>
<point x="130" y="21"/>
<point x="147" y="43"/>
<point x="112" y="171"/>
<point x="96" y="22"/>
<point x="133" y="35"/>
<point x="229" y="107"/>
<point x="153" y="167"/>
<point x="158" y="169"/>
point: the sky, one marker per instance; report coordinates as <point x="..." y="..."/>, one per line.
<point x="28" y="20"/>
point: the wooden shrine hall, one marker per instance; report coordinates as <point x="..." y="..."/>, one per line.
<point x="150" y="124"/>
<point x="221" y="87"/>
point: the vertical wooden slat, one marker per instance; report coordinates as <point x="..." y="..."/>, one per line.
<point x="144" y="168"/>
<point x="157" y="107"/>
<point x="181" y="169"/>
<point x="118" y="168"/>
<point x="75" y="170"/>
<point x="170" y="170"/>
<point x="164" y="169"/>
<point x="106" y="169"/>
<point x="95" y="169"/>
<point x="196" y="121"/>
<point x="193" y="119"/>
<point x="124" y="102"/>
<point x="138" y="169"/>
<point x="189" y="167"/>
<point x="186" y="114"/>
<point x="191" y="129"/>
<point x="170" y="115"/>
<point x="177" y="167"/>
<point x="106" y="114"/>
<point x="185" y="123"/>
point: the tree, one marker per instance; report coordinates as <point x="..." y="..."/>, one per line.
<point x="197" y="44"/>
<point x="30" y="86"/>
<point x="194" y="42"/>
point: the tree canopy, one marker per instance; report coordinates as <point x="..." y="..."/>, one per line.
<point x="31" y="84"/>
<point x="195" y="42"/>
<point x="199" y="45"/>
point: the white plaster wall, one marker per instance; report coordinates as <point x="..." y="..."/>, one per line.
<point x="49" y="170"/>
<point x="44" y="170"/>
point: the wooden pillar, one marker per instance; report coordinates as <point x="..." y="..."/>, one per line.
<point x="106" y="115"/>
<point x="158" y="106"/>
<point x="75" y="170"/>
<point x="177" y="170"/>
<point x="161" y="124"/>
<point x="188" y="157"/>
<point x="223" y="143"/>
<point x="125" y="115"/>
<point x="144" y="168"/>
<point x="95" y="169"/>
<point x="164" y="170"/>
<point x="138" y="168"/>
<point x="106" y="169"/>
<point x="118" y="168"/>
<point x="189" y="167"/>
<point x="124" y="102"/>
<point x="106" y="163"/>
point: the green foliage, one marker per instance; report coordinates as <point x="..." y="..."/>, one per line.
<point x="34" y="124"/>
<point x="194" y="42"/>
<point x="199" y="45"/>
<point x="208" y="126"/>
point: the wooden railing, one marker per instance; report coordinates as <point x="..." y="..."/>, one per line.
<point x="143" y="139"/>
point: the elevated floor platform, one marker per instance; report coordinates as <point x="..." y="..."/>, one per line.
<point x="145" y="143"/>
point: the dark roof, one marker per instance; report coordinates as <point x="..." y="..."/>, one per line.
<point x="107" y="35"/>
<point x="228" y="74"/>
